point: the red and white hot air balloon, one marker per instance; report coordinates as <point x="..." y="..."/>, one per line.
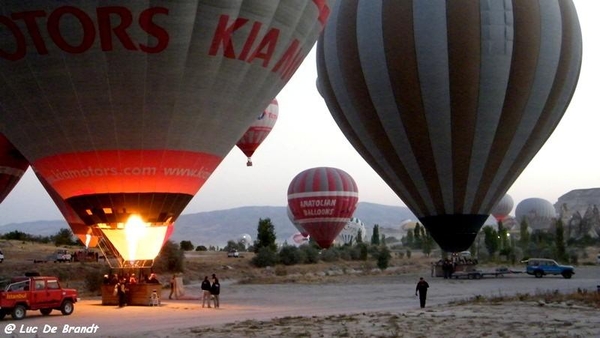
<point x="503" y="208"/>
<point x="12" y="167"/>
<point x="322" y="201"/>
<point x="258" y="131"/>
<point x="125" y="108"/>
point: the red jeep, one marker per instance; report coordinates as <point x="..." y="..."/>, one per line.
<point x="35" y="293"/>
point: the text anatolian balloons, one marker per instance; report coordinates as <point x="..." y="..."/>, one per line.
<point x="125" y="108"/>
<point x="12" y="167"/>
<point x="258" y="131"/>
<point x="449" y="100"/>
<point x="322" y="200"/>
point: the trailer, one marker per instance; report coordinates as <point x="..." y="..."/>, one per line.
<point x="478" y="274"/>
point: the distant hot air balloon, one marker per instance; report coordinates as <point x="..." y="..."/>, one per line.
<point x="322" y="201"/>
<point x="539" y="213"/>
<point x="503" y="208"/>
<point x="448" y="101"/>
<point x="350" y="231"/>
<point x="259" y="130"/>
<point x="126" y="108"/>
<point x="297" y="239"/>
<point x="12" y="167"/>
<point x="245" y="239"/>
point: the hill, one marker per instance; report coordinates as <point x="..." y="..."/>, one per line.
<point x="217" y="227"/>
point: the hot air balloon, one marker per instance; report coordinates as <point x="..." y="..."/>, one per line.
<point x="126" y="108"/>
<point x="12" y="167"/>
<point x="349" y="233"/>
<point x="448" y="101"/>
<point x="322" y="200"/>
<point x="538" y="212"/>
<point x="258" y="131"/>
<point x="503" y="208"/>
<point x="297" y="240"/>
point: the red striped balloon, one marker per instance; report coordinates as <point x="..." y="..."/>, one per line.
<point x="449" y="100"/>
<point x="322" y="200"/>
<point x="12" y="167"/>
<point x="258" y="131"/>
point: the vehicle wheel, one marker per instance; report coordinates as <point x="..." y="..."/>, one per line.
<point x="67" y="307"/>
<point x="19" y="312"/>
<point x="567" y="274"/>
<point x="45" y="312"/>
<point x="469" y="276"/>
<point x="538" y="274"/>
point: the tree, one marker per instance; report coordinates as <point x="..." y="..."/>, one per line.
<point x="427" y="243"/>
<point x="375" y="236"/>
<point x="64" y="236"/>
<point x="524" y="235"/>
<point x="418" y="236"/>
<point x="170" y="259"/>
<point x="491" y="240"/>
<point x="266" y="236"/>
<point x="409" y="240"/>
<point x="561" y="250"/>
<point x="359" y="236"/>
<point x="186" y="245"/>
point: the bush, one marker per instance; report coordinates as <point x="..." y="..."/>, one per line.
<point x="311" y="254"/>
<point x="383" y="258"/>
<point x="330" y="255"/>
<point x="290" y="255"/>
<point x="265" y="257"/>
<point x="408" y="253"/>
<point x="201" y="248"/>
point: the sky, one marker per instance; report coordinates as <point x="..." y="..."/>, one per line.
<point x="306" y="136"/>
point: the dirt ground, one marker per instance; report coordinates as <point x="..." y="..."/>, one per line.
<point x="341" y="299"/>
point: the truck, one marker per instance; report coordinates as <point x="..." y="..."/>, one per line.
<point x="1" y="256"/>
<point x="43" y="293"/>
<point x="540" y="267"/>
<point x="60" y="255"/>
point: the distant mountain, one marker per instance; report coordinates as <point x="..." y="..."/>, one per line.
<point x="217" y="227"/>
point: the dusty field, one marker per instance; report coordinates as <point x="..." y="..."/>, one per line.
<point x="343" y="299"/>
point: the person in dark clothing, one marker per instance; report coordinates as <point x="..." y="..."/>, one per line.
<point x="122" y="292"/>
<point x="215" y="290"/>
<point x="422" y="287"/>
<point x="205" y="291"/>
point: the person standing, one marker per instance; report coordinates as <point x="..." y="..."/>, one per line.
<point x="215" y="290"/>
<point x="122" y="292"/>
<point x="206" y="291"/>
<point x="173" y="282"/>
<point x="421" y="289"/>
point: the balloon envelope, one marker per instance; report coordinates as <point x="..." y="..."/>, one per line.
<point x="538" y="212"/>
<point x="503" y="208"/>
<point x="448" y="101"/>
<point x="259" y="130"/>
<point x="322" y="201"/>
<point x="349" y="233"/>
<point x="126" y="108"/>
<point x="12" y="167"/>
